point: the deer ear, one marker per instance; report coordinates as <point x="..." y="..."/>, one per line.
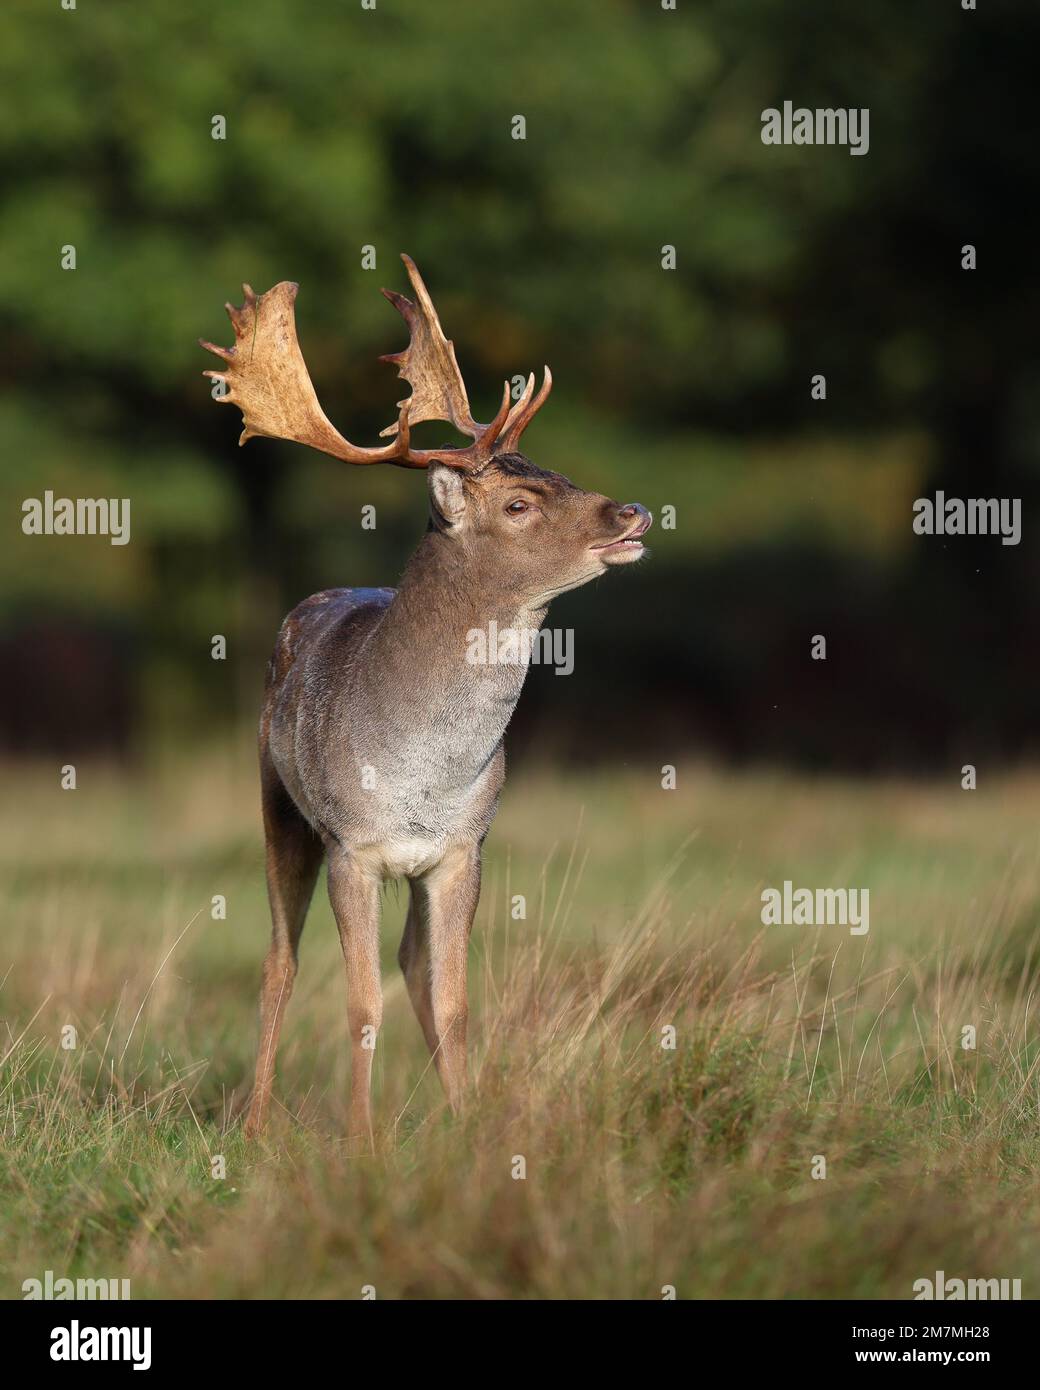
<point x="447" y="495"/>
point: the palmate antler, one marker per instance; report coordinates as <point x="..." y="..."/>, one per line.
<point x="267" y="378"/>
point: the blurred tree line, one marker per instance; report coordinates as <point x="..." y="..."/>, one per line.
<point x="392" y="127"/>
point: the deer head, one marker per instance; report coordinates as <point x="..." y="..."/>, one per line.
<point x="533" y="527"/>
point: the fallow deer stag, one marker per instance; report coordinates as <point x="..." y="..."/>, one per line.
<point x="380" y="742"/>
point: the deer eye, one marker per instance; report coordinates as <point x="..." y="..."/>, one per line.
<point x="517" y="506"/>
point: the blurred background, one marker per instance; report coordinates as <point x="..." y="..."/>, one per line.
<point x="690" y="387"/>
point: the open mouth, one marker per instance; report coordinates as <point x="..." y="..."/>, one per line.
<point x="630" y="545"/>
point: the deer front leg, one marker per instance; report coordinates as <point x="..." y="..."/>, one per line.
<point x="354" y="894"/>
<point x="446" y="898"/>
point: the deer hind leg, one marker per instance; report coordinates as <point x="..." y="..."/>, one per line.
<point x="294" y="854"/>
<point x="354" y="893"/>
<point x="414" y="959"/>
<point x="447" y="901"/>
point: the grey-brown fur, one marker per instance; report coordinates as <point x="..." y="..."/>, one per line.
<point x="380" y="742"/>
<point x="381" y="745"/>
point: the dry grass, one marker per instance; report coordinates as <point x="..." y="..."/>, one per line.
<point x="644" y="1166"/>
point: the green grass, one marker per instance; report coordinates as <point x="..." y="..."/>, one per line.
<point x="645" y="1167"/>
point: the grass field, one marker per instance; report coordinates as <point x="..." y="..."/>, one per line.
<point x="645" y="1166"/>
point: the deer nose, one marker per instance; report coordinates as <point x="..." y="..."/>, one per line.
<point x="631" y="510"/>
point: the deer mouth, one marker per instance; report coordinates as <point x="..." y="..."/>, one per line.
<point x="628" y="547"/>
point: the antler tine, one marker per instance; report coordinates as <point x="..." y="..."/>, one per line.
<point x="489" y="433"/>
<point x="524" y="412"/>
<point x="469" y="458"/>
<point x="521" y="405"/>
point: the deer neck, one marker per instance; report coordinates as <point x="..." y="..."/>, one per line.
<point x="433" y="665"/>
